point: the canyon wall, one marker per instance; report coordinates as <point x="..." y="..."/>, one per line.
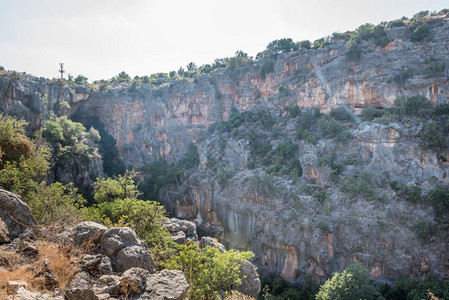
<point x="291" y="231"/>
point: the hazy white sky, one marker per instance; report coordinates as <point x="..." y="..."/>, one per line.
<point x="100" y="38"/>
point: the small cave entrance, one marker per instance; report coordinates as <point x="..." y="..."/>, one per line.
<point x="90" y="117"/>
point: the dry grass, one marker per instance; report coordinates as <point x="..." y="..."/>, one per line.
<point x="235" y="295"/>
<point x="62" y="262"/>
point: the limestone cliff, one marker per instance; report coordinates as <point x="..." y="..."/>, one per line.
<point x="152" y="123"/>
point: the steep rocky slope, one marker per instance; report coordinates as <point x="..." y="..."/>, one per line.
<point x="151" y="123"/>
<point x="311" y="221"/>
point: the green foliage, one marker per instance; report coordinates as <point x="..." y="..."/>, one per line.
<point x="434" y="67"/>
<point x="420" y="31"/>
<point x="304" y="44"/>
<point x="359" y="186"/>
<point x="307" y="120"/>
<point x="329" y="126"/>
<point x="418" y="106"/>
<point x="208" y="270"/>
<point x="117" y="187"/>
<point x="318" y="192"/>
<point x="442" y="109"/>
<point x="410" y="193"/>
<point x="331" y="160"/>
<point x="321" y="43"/>
<point x="80" y="79"/>
<point x="23" y="175"/>
<point x="53" y="132"/>
<point x="354" y="50"/>
<point x="267" y="68"/>
<point x="280" y="288"/>
<point x="353" y="283"/>
<point x="341" y="37"/>
<point x="281" y="160"/>
<point x="306" y="135"/>
<point x="94" y="135"/>
<point x="282" y="45"/>
<point x="55" y="204"/>
<point x="69" y="139"/>
<point x="22" y="162"/>
<point x="342" y="114"/>
<point x="395" y="23"/>
<point x="365" y="32"/>
<point x="239" y="60"/>
<point x="282" y="89"/>
<point x="122" y="77"/>
<point x="431" y="137"/>
<point x="422" y="230"/>
<point x="117" y="204"/>
<point x="13" y="142"/>
<point x="2" y="68"/>
<point x="439" y="198"/>
<point x="417" y="289"/>
<point x="159" y="174"/>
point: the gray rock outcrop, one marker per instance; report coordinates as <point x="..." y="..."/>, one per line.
<point x="15" y="216"/>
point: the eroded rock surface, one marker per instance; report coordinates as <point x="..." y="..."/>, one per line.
<point x="15" y="216"/>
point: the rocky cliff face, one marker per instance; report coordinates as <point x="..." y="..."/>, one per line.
<point x="34" y="100"/>
<point x="156" y="123"/>
<point x="297" y="230"/>
<point x="294" y="226"/>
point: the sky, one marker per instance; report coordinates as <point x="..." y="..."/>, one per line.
<point x="101" y="38"/>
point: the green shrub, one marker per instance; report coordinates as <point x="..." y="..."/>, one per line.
<point x="344" y="136"/>
<point x="304" y="44"/>
<point x="431" y="138"/>
<point x="410" y="193"/>
<point x="329" y="127"/>
<point x="370" y="113"/>
<point x="80" y="79"/>
<point x="159" y="174"/>
<point x="353" y="283"/>
<point x="418" y="289"/>
<point x="307" y="120"/>
<point x="293" y="111"/>
<point x="414" y="106"/>
<point x="358" y="187"/>
<point x="267" y="68"/>
<point x="321" y="43"/>
<point x="208" y="270"/>
<point x="282" y="89"/>
<point x="395" y="23"/>
<point x="422" y="230"/>
<point x="354" y="51"/>
<point x="342" y="114"/>
<point x="442" y="109"/>
<point x="439" y="198"/>
<point x="434" y="67"/>
<point x="306" y="135"/>
<point x="282" y="45"/>
<point x="420" y="32"/>
<point x="55" y="204"/>
<point x="23" y="163"/>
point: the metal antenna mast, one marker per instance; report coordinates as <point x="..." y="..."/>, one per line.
<point x="61" y="70"/>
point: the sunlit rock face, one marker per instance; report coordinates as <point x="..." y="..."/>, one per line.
<point x="153" y="123"/>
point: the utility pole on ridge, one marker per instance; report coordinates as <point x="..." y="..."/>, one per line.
<point x="61" y="70"/>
